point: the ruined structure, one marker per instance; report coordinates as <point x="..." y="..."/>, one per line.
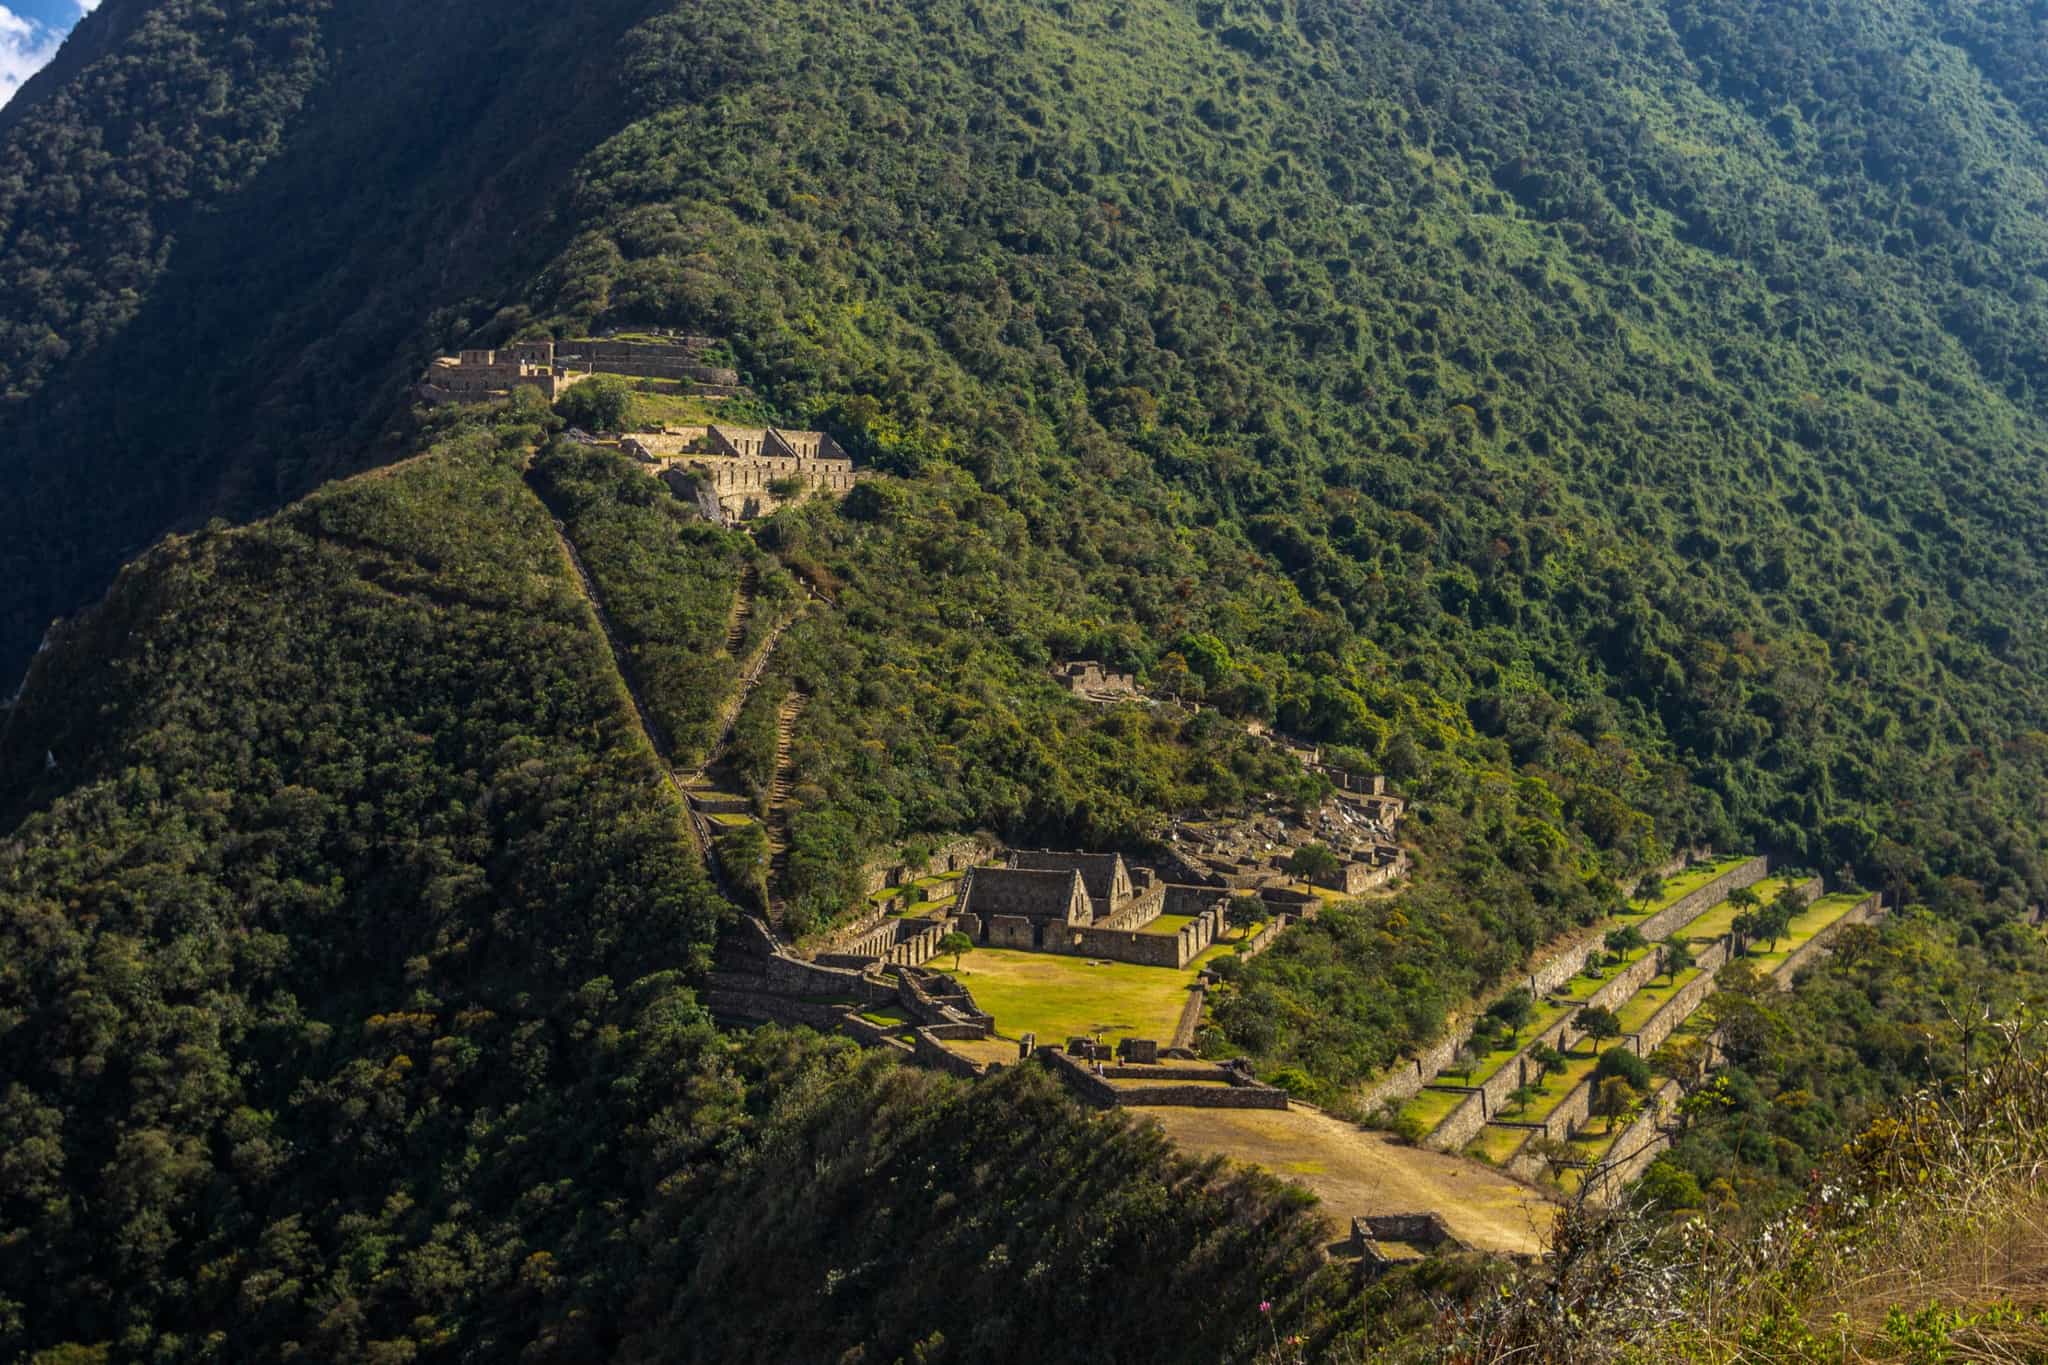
<point x="478" y="376"/>
<point x="1089" y="905"/>
<point x="739" y="473"/>
<point x="681" y="358"/>
<point x="1090" y="681"/>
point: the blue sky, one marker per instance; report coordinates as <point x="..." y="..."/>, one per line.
<point x="29" y="33"/>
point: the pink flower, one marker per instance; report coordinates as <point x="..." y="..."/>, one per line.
<point x="1265" y="1305"/>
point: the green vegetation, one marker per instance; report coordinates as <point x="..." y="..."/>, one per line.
<point x="1058" y="997"/>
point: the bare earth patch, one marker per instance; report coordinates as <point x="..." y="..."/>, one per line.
<point x="1355" y="1172"/>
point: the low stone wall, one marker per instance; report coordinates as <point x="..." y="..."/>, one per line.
<point x="1864" y="911"/>
<point x="1641" y="1143"/>
<point x="763" y="1007"/>
<point x="785" y="975"/>
<point x="1203" y="1096"/>
<point x="1698" y="901"/>
<point x="722" y="804"/>
<point x="1088" y="1087"/>
<point x="929" y="1051"/>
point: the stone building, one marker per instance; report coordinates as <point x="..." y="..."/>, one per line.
<point x="478" y="376"/>
<point x="1088" y="904"/>
<point x="1090" y="681"/>
<point x="739" y="473"/>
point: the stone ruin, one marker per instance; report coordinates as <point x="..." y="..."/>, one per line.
<point x="1090" y="681"/>
<point x="1088" y="905"/>
<point x="480" y="376"/>
<point x="736" y="474"/>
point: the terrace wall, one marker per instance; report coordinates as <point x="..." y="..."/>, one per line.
<point x="1639" y="1144"/>
<point x="1699" y="900"/>
<point x="1864" y="911"/>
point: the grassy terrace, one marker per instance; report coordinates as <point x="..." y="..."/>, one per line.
<point x="1817" y="917"/>
<point x="1059" y="997"/>
<point x="1683" y="884"/>
<point x="1168" y="924"/>
<point x="1652" y="998"/>
<point x="1496" y="1145"/>
<point x="1714" y="924"/>
<point x="1431" y="1107"/>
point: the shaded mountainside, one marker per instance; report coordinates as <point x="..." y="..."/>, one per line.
<point x="346" y="1010"/>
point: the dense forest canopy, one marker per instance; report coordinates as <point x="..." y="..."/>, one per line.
<point x="1626" y="427"/>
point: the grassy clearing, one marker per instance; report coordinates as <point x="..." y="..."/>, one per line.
<point x="1495" y="1145"/>
<point x="1803" y="930"/>
<point x="1059" y="998"/>
<point x="885" y="1014"/>
<point x="1715" y="923"/>
<point x="1168" y="924"/>
<point x="1431" y="1107"/>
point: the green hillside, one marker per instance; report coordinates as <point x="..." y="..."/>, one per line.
<point x="1624" y="427"/>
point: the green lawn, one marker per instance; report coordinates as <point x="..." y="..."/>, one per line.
<point x="1059" y="998"/>
<point x="1432" y="1107"/>
<point x="1168" y="924"/>
<point x="885" y="1014"/>
<point x="1683" y="884"/>
<point x="1225" y="946"/>
<point x="1714" y="924"/>
<point x="1816" y="917"/>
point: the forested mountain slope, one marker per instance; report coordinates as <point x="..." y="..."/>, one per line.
<point x="1656" y="373"/>
<point x="346" y="1010"/>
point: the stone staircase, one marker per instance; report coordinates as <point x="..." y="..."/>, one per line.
<point x="742" y="611"/>
<point x="779" y="794"/>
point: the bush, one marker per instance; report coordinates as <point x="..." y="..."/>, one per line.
<point x="1623" y="1062"/>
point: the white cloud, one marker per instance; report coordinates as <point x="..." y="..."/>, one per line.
<point x="88" y="6"/>
<point x="24" y="46"/>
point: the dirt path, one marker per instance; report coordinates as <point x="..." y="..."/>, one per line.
<point x="1356" y="1173"/>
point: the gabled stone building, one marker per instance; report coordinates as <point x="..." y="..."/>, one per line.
<point x="739" y="473"/>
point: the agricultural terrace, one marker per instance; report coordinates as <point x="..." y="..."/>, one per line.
<point x="1714" y="925"/>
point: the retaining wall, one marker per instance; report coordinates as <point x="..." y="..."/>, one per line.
<point x="1864" y="911"/>
<point x="1204" y="1096"/>
<point x="1639" y="1144"/>
<point x="930" y="1052"/>
<point x="1463" y="1123"/>
<point x="1698" y="901"/>
<point x="1190" y="1016"/>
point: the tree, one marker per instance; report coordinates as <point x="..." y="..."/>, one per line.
<point x="1613" y="1098"/>
<point x="1649" y="887"/>
<point x="1549" y="1061"/>
<point x="1598" y="1022"/>
<point x="1623" y="1062"/>
<point x="1678" y="956"/>
<point x="1557" y="1157"/>
<point x="1671" y="1186"/>
<point x="1311" y="861"/>
<point x="1520" y="1098"/>
<point x="1513" y="1011"/>
<point x="1625" y="940"/>
<point x="1683" y="1058"/>
<point x="1743" y="898"/>
<point x="1243" y="912"/>
<point x="601" y="403"/>
<point x="956" y="943"/>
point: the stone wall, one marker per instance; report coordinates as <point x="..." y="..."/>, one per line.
<point x="929" y="1051"/>
<point x="1199" y="1096"/>
<point x="1639" y="1144"/>
<point x="1011" y="931"/>
<point x="1698" y="901"/>
<point x="1190" y="1016"/>
<point x="1864" y="911"/>
<point x="1486" y="1099"/>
